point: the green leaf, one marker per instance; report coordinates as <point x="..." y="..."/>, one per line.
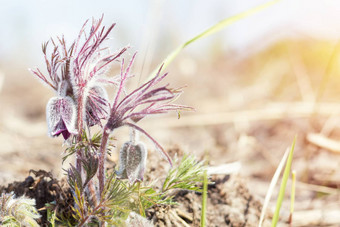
<point x="283" y="185"/>
<point x="90" y="165"/>
<point x="79" y="200"/>
<point x="74" y="178"/>
<point x="213" y="29"/>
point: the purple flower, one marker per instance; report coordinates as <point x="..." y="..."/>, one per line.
<point x="61" y="117"/>
<point x="145" y="100"/>
<point x="80" y="69"/>
<point x="90" y="64"/>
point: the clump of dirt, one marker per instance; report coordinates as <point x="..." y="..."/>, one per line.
<point x="46" y="190"/>
<point x="229" y="204"/>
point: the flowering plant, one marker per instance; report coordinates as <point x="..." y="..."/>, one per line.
<point x="79" y="75"/>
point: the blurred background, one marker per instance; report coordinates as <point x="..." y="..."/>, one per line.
<point x="26" y="24"/>
<point x="254" y="85"/>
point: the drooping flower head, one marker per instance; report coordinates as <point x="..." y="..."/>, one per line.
<point x="61" y="113"/>
<point x="132" y="161"/>
<point x="61" y="117"/>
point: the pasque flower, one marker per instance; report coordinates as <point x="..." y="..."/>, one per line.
<point x="143" y="101"/>
<point x="80" y="70"/>
<point x="61" y="113"/>
<point x="78" y="75"/>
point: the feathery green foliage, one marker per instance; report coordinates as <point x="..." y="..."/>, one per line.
<point x="120" y="198"/>
<point x="17" y="211"/>
<point x="112" y="208"/>
<point x="185" y="176"/>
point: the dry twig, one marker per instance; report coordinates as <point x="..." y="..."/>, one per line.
<point x="324" y="142"/>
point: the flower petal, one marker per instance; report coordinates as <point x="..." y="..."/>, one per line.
<point x="61" y="129"/>
<point x="61" y="116"/>
<point x="121" y="173"/>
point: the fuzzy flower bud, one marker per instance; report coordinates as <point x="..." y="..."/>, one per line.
<point x="97" y="106"/>
<point x="132" y="161"/>
<point x="61" y="117"/>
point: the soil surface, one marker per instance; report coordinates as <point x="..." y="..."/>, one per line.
<point x="47" y="192"/>
<point x="229" y="202"/>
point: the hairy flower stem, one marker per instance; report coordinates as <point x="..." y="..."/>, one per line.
<point x="102" y="157"/>
<point x="93" y="194"/>
<point x="134" y="136"/>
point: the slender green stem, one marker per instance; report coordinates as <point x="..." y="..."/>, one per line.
<point x="205" y="192"/>
<point x="141" y="208"/>
<point x="204" y="199"/>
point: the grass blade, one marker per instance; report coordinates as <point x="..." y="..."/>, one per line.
<point x="213" y="29"/>
<point x="204" y="199"/>
<point x="272" y="185"/>
<point x="292" y="198"/>
<point x="283" y="185"/>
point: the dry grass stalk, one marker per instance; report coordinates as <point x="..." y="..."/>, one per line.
<point x="273" y="111"/>
<point x="225" y="169"/>
<point x="317" y="188"/>
<point x="324" y="142"/>
<point x="319" y="217"/>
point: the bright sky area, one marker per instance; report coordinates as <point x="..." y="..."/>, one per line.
<point x="26" y="24"/>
